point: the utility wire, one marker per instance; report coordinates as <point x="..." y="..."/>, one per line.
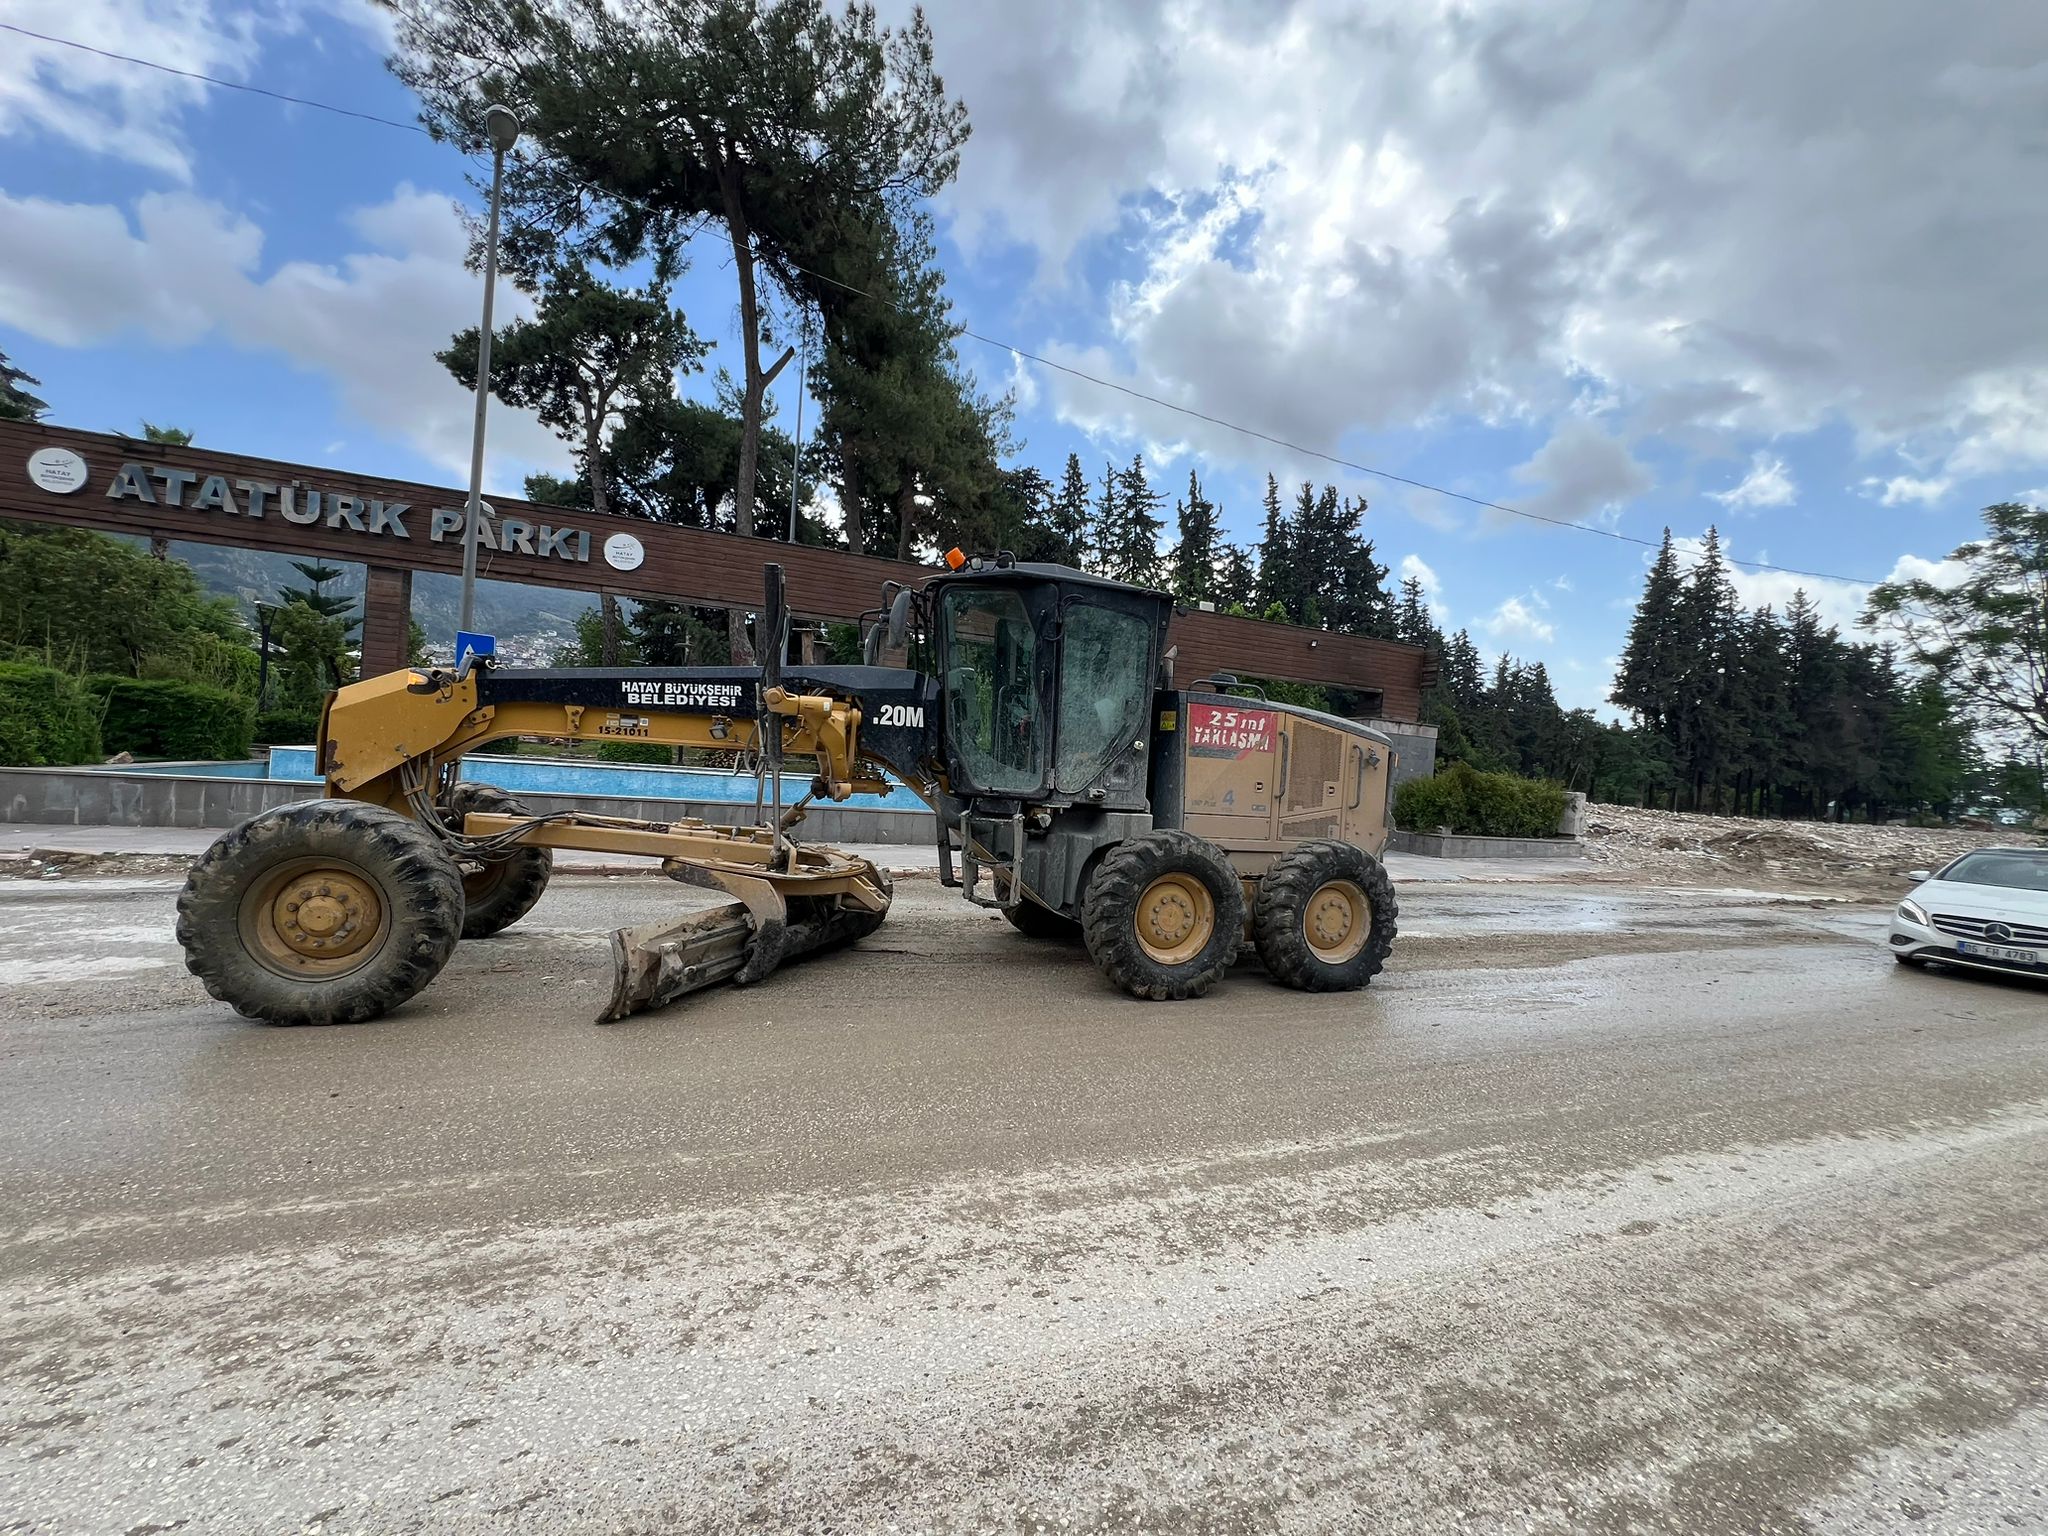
<point x="1010" y="347"/>
<point x="226" y="85"/>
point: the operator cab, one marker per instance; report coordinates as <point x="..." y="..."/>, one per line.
<point x="1046" y="682"/>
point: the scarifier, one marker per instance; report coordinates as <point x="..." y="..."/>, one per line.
<point x="1078" y="791"/>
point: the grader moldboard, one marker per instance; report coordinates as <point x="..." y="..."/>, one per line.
<point x="1077" y="790"/>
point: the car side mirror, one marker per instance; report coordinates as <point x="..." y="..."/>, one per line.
<point x="1919" y="875"/>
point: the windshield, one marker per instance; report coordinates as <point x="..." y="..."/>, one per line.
<point x="1105" y="689"/>
<point x="992" y="712"/>
<point x="2014" y="871"/>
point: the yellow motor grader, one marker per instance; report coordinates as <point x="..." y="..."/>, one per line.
<point x="1076" y="788"/>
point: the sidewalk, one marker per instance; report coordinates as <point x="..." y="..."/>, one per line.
<point x="18" y="840"/>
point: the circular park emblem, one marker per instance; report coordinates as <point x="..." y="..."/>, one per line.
<point x="57" y="469"/>
<point x="623" y="552"/>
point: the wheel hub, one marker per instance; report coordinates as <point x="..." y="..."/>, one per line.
<point x="314" y="919"/>
<point x="1337" y="921"/>
<point x="1176" y="914"/>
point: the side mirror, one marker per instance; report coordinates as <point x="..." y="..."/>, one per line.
<point x="899" y="619"/>
<point x="1917" y="876"/>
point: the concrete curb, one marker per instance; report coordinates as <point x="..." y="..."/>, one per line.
<point x="1442" y="845"/>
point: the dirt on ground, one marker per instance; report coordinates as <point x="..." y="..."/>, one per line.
<point x="1672" y="848"/>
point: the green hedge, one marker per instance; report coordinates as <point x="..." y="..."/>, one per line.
<point x="156" y="717"/>
<point x="287" y="728"/>
<point x="635" y="752"/>
<point x="1479" y="804"/>
<point x="46" y="718"/>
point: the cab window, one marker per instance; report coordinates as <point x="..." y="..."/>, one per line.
<point x="1105" y="690"/>
<point x="992" y="714"/>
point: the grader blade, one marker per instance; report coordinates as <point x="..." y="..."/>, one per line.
<point x="820" y="904"/>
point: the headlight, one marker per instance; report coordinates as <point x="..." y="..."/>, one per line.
<point x="1913" y="912"/>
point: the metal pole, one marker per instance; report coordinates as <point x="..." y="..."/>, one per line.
<point x="503" y="128"/>
<point x="796" y="454"/>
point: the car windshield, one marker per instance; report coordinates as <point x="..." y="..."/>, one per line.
<point x="2012" y="870"/>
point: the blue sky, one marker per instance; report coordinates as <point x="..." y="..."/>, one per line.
<point x="1613" y="264"/>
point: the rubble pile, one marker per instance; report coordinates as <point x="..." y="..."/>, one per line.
<point x="1676" y="848"/>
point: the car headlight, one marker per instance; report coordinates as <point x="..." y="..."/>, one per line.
<point x="1913" y="912"/>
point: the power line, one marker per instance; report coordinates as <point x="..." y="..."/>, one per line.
<point x="226" y="85"/>
<point x="1010" y="347"/>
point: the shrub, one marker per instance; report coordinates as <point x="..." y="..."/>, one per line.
<point x="1479" y="804"/>
<point x="286" y="728"/>
<point x="156" y="717"/>
<point x="636" y="752"/>
<point x="46" y="718"/>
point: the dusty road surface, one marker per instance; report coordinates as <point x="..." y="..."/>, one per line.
<point x="1602" y="1211"/>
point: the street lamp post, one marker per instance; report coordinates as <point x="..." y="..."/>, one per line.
<point x="502" y="124"/>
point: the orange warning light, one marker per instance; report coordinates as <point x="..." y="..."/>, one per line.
<point x="955" y="559"/>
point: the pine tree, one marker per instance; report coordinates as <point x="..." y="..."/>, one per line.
<point x="1194" y="575"/>
<point x="1068" y="516"/>
<point x="1276" y="557"/>
<point x="1413" y="622"/>
<point x="1237" y="582"/>
<point x="1646" y="683"/>
<point x="16" y="403"/>
<point x="1130" y="549"/>
<point x="328" y="605"/>
<point x="1105" y="521"/>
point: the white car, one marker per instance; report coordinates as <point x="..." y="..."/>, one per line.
<point x="1987" y="910"/>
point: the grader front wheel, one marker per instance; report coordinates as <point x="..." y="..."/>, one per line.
<point x="321" y="912"/>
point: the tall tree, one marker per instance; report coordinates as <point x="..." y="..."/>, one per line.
<point x="1237" y="580"/>
<point x="591" y="351"/>
<point x="1985" y="636"/>
<point x="785" y="122"/>
<point x="16" y="403"/>
<point x="1068" y="515"/>
<point x="1647" y="680"/>
<point x="1276" y="556"/>
<point x="1128" y="539"/>
<point x="1414" y="624"/>
<point x="1193" y="576"/>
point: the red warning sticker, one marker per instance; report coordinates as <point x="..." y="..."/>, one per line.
<point x="1215" y="730"/>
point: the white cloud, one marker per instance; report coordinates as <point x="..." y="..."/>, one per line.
<point x="1766" y="485"/>
<point x="1581" y="474"/>
<point x="1840" y="602"/>
<point x="190" y="270"/>
<point x="1901" y="489"/>
<point x="1514" y="619"/>
<point x="1563" y="584"/>
<point x="110" y="107"/>
<point x="1730" y="224"/>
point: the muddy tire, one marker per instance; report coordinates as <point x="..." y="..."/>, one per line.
<point x="320" y="912"/>
<point x="1163" y="915"/>
<point x="1324" y="918"/>
<point x="1036" y="922"/>
<point x="496" y="893"/>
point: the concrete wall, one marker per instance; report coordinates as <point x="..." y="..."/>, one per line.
<point x="1416" y="745"/>
<point x="101" y="797"/>
<point x="1437" y="845"/>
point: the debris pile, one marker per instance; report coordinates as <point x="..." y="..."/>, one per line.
<point x="1667" y="848"/>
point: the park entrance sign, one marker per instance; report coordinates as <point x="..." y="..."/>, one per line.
<point x="395" y="528"/>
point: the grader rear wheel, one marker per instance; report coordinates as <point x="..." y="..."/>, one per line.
<point x="496" y="893"/>
<point x="1163" y="915"/>
<point x="321" y="912"/>
<point x="1325" y="916"/>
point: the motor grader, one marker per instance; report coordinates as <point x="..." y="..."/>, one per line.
<point x="1077" y="789"/>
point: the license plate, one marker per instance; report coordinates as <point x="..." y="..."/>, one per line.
<point x="1999" y="952"/>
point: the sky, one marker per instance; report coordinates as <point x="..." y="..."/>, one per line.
<point x="1773" y="268"/>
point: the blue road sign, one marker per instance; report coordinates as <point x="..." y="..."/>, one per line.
<point x="468" y="645"/>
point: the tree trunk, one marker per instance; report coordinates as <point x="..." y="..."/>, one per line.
<point x="849" y="500"/>
<point x="601" y="504"/>
<point x="159" y="547"/>
<point x="906" y="520"/>
<point x="750" y="347"/>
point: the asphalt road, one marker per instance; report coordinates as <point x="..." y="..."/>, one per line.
<point x="1598" y="1212"/>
